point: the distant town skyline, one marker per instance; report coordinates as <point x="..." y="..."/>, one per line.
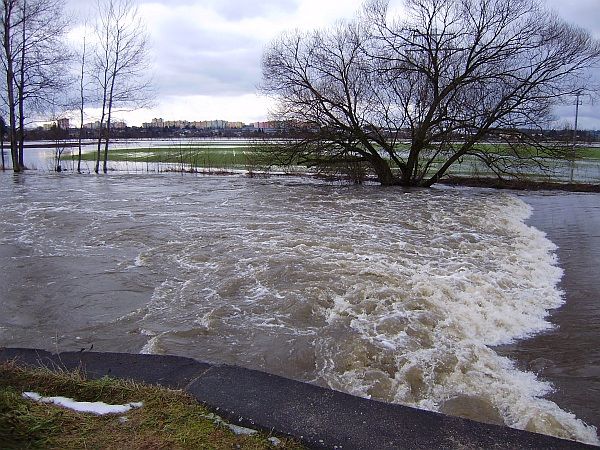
<point x="207" y="53"/>
<point x="158" y="122"/>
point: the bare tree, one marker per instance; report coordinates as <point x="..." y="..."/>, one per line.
<point x="120" y="65"/>
<point x="452" y="77"/>
<point x="43" y="59"/>
<point x="82" y="96"/>
<point x="34" y="58"/>
<point x="9" y="23"/>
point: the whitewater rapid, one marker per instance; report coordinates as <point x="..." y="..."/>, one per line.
<point x="403" y="307"/>
<point x="395" y="295"/>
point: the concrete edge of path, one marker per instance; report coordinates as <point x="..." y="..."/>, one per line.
<point x="318" y="417"/>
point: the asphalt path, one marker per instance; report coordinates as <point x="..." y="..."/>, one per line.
<point x="316" y="416"/>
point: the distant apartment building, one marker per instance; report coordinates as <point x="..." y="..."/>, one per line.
<point x="92" y="125"/>
<point x="155" y="123"/>
<point x="204" y="125"/>
<point x="211" y="125"/>
<point x="118" y="125"/>
<point x="176" y="124"/>
<point x="200" y="125"/>
<point x="266" y="125"/>
<point x="218" y="124"/>
<point x="63" y="124"/>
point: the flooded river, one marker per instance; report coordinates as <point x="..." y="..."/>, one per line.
<point x="444" y="299"/>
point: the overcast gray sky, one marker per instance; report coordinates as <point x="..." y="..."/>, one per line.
<point x="206" y="53"/>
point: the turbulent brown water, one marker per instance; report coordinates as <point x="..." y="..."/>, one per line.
<point x="403" y="296"/>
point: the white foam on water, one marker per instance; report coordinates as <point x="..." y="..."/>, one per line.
<point x="394" y="296"/>
<point x="153" y="346"/>
<point x="422" y="335"/>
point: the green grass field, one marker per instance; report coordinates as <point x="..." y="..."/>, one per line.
<point x="188" y="157"/>
<point x="201" y="157"/>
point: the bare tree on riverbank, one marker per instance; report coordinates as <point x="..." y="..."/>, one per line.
<point x="34" y="59"/>
<point x="83" y="90"/>
<point x="452" y="75"/>
<point x="9" y="22"/>
<point x="120" y="66"/>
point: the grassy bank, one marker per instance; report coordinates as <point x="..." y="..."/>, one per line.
<point x="168" y="419"/>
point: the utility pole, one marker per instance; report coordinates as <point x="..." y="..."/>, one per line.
<point x="577" y="95"/>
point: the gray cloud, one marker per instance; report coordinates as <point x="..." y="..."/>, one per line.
<point x="585" y="13"/>
<point x="235" y="10"/>
<point x="195" y="61"/>
<point x="238" y="10"/>
<point x="233" y="73"/>
<point x="589" y="114"/>
<point x="191" y="57"/>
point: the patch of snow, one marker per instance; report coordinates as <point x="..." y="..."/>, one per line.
<point x="98" y="408"/>
<point x="235" y="428"/>
<point x="241" y="430"/>
<point x="274" y="441"/>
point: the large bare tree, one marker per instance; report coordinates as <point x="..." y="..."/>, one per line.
<point x="120" y="65"/>
<point x="451" y="77"/>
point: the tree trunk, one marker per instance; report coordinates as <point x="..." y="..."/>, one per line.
<point x="383" y="171"/>
<point x="104" y="104"/>
<point x="102" y="117"/>
<point x="81" y="105"/>
<point x="10" y="87"/>
<point x="100" y="128"/>
<point x="106" y="141"/>
<point x="21" y="133"/>
<point x="2" y="147"/>
<point x="21" y="91"/>
<point x="79" y="144"/>
<point x="99" y="148"/>
<point x="111" y="94"/>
